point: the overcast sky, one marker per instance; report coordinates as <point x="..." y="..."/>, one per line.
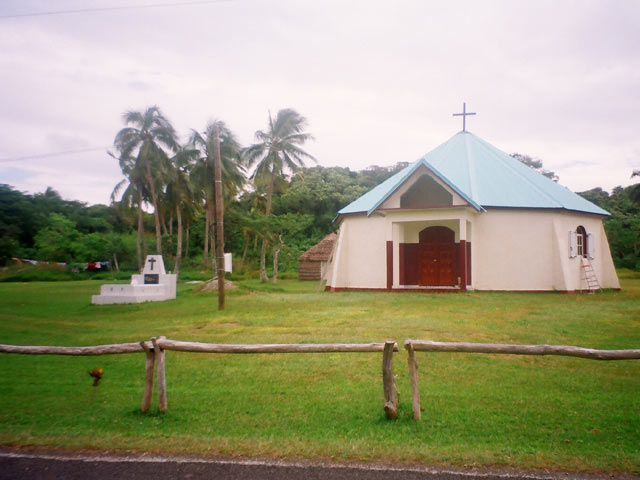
<point x="377" y="80"/>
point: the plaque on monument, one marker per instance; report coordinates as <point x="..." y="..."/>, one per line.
<point x="151" y="279"/>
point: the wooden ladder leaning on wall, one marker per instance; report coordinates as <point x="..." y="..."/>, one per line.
<point x="589" y="275"/>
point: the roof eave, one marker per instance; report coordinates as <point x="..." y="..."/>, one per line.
<point x="559" y="208"/>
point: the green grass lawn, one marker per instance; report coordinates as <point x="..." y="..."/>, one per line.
<point x="527" y="412"/>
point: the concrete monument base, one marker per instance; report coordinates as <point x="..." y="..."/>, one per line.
<point x="153" y="285"/>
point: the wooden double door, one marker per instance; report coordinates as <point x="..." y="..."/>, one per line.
<point x="438" y="254"/>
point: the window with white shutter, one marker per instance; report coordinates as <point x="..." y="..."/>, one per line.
<point x="581" y="241"/>
<point x="572" y="244"/>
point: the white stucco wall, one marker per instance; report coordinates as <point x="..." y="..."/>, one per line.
<point x="507" y="252"/>
<point x="510" y="249"/>
<point x="529" y="250"/>
<point x="361" y="257"/>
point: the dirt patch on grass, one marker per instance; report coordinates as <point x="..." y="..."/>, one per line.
<point x="212" y="286"/>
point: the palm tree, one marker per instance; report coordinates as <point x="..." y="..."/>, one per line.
<point x="233" y="177"/>
<point x="133" y="196"/>
<point x="179" y="196"/>
<point x="276" y="152"/>
<point x="149" y="132"/>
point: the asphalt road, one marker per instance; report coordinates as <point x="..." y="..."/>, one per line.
<point x="18" y="464"/>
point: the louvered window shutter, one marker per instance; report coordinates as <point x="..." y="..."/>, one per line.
<point x="591" y="247"/>
<point x="573" y="245"/>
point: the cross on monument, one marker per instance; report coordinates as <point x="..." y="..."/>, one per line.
<point x="464" y="116"/>
<point x="152" y="261"/>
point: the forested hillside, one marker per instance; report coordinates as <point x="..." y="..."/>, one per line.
<point x="623" y="226"/>
<point x="46" y="227"/>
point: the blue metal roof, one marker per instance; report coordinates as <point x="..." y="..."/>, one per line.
<point x="484" y="176"/>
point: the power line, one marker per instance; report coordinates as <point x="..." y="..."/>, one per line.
<point x="108" y="9"/>
<point x="53" y="154"/>
<point x="65" y="152"/>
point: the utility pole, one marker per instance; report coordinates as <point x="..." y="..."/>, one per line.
<point x="219" y="213"/>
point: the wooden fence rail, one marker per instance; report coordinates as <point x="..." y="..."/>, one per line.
<point x="155" y="359"/>
<point x="272" y="348"/>
<point x="413" y="346"/>
<point x="94" y="350"/>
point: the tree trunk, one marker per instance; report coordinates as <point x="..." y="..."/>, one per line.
<point x="156" y="216"/>
<point x="212" y="240"/>
<point x="205" y="253"/>
<point x="188" y="235"/>
<point x="276" y="253"/>
<point x="212" y="237"/>
<point x="154" y="199"/>
<point x="169" y="233"/>
<point x="263" y="253"/>
<point x="145" y="250"/>
<point x="267" y="209"/>
<point x="140" y="232"/>
<point x="115" y="262"/>
<point x="263" y="267"/>
<point x="247" y="238"/>
<point x="219" y="216"/>
<point x="176" y="268"/>
<point x="162" y="221"/>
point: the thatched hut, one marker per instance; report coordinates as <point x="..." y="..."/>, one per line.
<point x="312" y="262"/>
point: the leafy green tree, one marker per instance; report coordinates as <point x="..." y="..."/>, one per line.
<point x="46" y="227"/>
<point x="149" y="132"/>
<point x="282" y="229"/>
<point x="277" y="152"/>
<point x="114" y="247"/>
<point x="374" y="175"/>
<point x="635" y="189"/>
<point x="536" y="164"/>
<point x="242" y="219"/>
<point x="321" y="192"/>
<point x="59" y="241"/>
<point x="623" y="226"/>
<point x="18" y="223"/>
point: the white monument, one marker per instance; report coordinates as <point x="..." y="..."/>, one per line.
<point x="153" y="285"/>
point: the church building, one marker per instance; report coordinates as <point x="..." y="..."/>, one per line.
<point x="469" y="216"/>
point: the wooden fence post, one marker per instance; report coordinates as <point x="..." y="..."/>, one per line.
<point x="160" y="375"/>
<point x="413" y="376"/>
<point x="388" y="382"/>
<point x="148" y="377"/>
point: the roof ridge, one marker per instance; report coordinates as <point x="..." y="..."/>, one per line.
<point x="492" y="149"/>
<point x="471" y="201"/>
<point x="442" y="148"/>
<point x="472" y="171"/>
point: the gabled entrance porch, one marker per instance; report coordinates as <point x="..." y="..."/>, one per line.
<point x="431" y="255"/>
